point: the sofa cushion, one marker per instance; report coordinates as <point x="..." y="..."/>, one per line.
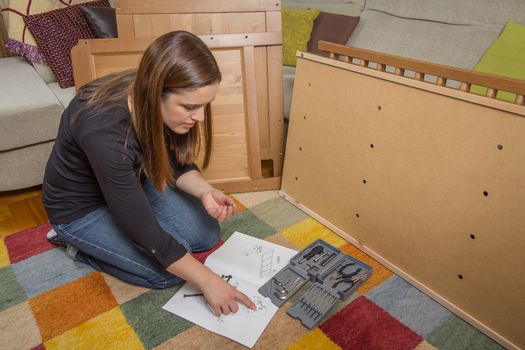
<point x="464" y="12"/>
<point x="505" y="57"/>
<point x="29" y="111"/>
<point x="56" y="32"/>
<point x="453" y="45"/>
<point x="64" y="96"/>
<point x="297" y="27"/>
<point x="331" y="27"/>
<point x="45" y="72"/>
<point x="24" y="167"/>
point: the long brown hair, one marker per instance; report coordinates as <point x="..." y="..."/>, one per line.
<point x="175" y="62"/>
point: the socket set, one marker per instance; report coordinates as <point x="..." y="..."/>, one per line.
<point x="333" y="274"/>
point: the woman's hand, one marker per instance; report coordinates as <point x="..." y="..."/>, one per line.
<point x="223" y="297"/>
<point x="218" y="205"/>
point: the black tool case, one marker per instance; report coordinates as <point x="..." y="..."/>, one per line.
<point x="333" y="274"/>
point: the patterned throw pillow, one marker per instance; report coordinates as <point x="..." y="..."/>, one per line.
<point x="56" y="32"/>
<point x="297" y="27"/>
<point x="20" y="42"/>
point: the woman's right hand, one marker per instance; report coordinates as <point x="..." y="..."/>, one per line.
<point x="223" y="297"/>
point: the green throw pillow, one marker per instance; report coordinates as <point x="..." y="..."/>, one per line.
<point x="297" y="27"/>
<point x="505" y="57"/>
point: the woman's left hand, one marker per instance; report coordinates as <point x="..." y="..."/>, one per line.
<point x="218" y="205"/>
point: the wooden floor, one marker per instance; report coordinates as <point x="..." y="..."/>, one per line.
<point x="20" y="210"/>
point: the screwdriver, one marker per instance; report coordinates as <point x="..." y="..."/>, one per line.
<point x="315" y="250"/>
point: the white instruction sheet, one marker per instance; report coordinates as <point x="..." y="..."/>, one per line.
<point x="251" y="262"/>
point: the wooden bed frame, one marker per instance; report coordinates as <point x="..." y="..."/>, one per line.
<point x="249" y="23"/>
<point x="235" y="165"/>
<point x="427" y="179"/>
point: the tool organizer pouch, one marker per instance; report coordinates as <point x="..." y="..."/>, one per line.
<point x="333" y="274"/>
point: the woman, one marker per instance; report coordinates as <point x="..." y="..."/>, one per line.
<point x="121" y="185"/>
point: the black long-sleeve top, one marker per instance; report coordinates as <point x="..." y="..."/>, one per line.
<point x="94" y="163"/>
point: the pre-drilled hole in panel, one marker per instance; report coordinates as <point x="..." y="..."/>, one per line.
<point x="300" y="148"/>
<point x="296" y="178"/>
<point x="379" y="108"/>
<point x="364" y="181"/>
<point x="485" y="193"/>
<point x="473" y="236"/>
<point x="371" y="145"/>
<point x="356" y="215"/>
<point x="500" y="147"/>
<point x="460" y="277"/>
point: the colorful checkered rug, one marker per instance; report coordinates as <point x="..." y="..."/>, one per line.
<point x="48" y="301"/>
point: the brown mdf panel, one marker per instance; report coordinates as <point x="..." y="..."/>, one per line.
<point x="153" y="25"/>
<point x="432" y="183"/>
<point x="200" y="6"/>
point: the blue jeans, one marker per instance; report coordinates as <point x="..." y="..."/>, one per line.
<point x="103" y="245"/>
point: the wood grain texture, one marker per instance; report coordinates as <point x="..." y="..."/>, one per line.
<point x="195" y="6"/>
<point x="440" y="71"/>
<point x="20" y="210"/>
<point x="410" y="170"/>
<point x="125" y="29"/>
<point x="153" y="25"/>
<point x="151" y="18"/>
<point x="3" y="38"/>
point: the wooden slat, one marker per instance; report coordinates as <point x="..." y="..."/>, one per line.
<point x="252" y="117"/>
<point x="153" y="25"/>
<point x="275" y="95"/>
<point x="491" y="93"/>
<point x="125" y="28"/>
<point x="261" y="79"/>
<point x="276" y="113"/>
<point x="108" y="46"/>
<point x="453" y="73"/>
<point x="195" y="6"/>
<point x="236" y="186"/>
<point x="3" y="38"/>
<point x="82" y="62"/>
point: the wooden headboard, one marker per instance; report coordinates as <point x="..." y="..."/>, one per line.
<point x="235" y="165"/>
<point x="247" y="22"/>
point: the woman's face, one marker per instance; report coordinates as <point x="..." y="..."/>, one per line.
<point x="181" y="111"/>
